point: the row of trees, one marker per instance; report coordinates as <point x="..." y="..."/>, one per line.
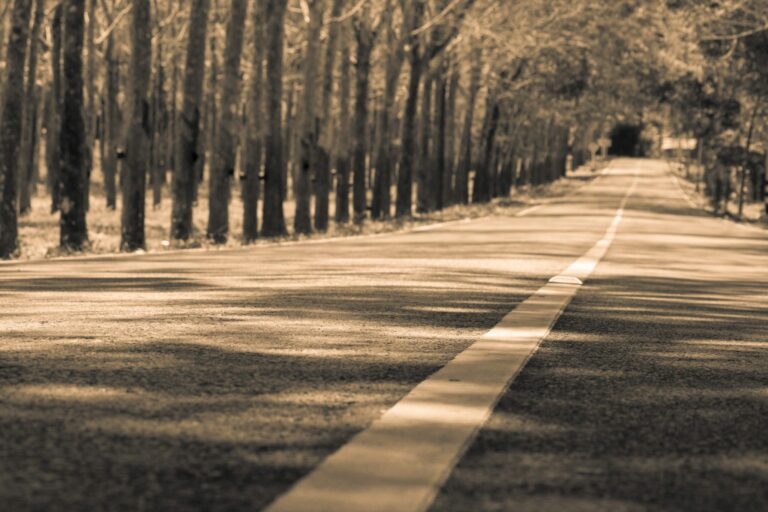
<point x="375" y="107"/>
<point x="722" y="100"/>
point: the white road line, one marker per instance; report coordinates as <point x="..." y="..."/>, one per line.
<point x="402" y="459"/>
<point x="432" y="227"/>
<point x="531" y="209"/>
<point x="685" y="195"/>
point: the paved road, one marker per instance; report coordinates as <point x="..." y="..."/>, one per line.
<point x="213" y="381"/>
<point x="652" y="391"/>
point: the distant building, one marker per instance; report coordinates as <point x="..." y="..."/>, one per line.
<point x="672" y="147"/>
<point x="675" y="143"/>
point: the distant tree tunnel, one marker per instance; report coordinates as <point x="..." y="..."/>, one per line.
<point x="626" y="140"/>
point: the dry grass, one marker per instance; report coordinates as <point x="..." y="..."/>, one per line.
<point x="39" y="230"/>
<point x="754" y="212"/>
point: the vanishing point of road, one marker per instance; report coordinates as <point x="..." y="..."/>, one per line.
<point x="226" y="380"/>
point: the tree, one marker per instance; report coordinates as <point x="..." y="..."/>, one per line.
<point x="302" y="222"/>
<point x="110" y="118"/>
<point x="323" y="97"/>
<point x="450" y="137"/>
<point x="30" y="125"/>
<point x="425" y="43"/>
<point x="89" y="110"/>
<point x="224" y="150"/>
<point x="343" y="158"/>
<point x="437" y="184"/>
<point x="52" y="147"/>
<point x="365" y="35"/>
<point x="481" y="190"/>
<point x="74" y="231"/>
<point x="324" y="149"/>
<point x="423" y="171"/>
<point x="273" y="219"/>
<point x="11" y="125"/>
<point x="254" y="137"/>
<point x="413" y="13"/>
<point x="380" y="205"/>
<point x="188" y="125"/>
<point x="138" y="131"/>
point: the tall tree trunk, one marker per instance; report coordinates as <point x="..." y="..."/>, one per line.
<point x="495" y="169"/>
<point x="536" y="151"/>
<point x="209" y="128"/>
<point x="224" y="150"/>
<point x="29" y="124"/>
<point x="159" y="125"/>
<point x="254" y="133"/>
<point x="364" y="37"/>
<point x="292" y="140"/>
<point x="372" y="137"/>
<point x="302" y="222"/>
<point x="450" y="137"/>
<point x="289" y="142"/>
<point x="549" y="150"/>
<point x="408" y="132"/>
<point x="52" y="147"/>
<point x="110" y="122"/>
<point x="744" y="164"/>
<point x="383" y="180"/>
<point x="138" y="130"/>
<point x="424" y="171"/>
<point x="407" y="144"/>
<point x="438" y="183"/>
<point x="465" y="152"/>
<point x="90" y="98"/>
<point x="274" y="220"/>
<point x="343" y="160"/>
<point x="323" y="164"/>
<point x="11" y="125"/>
<point x="173" y="116"/>
<point x="74" y="158"/>
<point x="482" y="189"/>
<point x="188" y="125"/>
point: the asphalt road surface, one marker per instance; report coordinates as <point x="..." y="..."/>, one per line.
<point x="213" y="381"/>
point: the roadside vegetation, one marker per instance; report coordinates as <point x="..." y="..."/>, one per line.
<point x="721" y="103"/>
<point x="142" y="124"/>
<point x="39" y="230"/>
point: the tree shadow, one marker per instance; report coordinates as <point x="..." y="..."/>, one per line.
<point x="79" y="284"/>
<point x="201" y="390"/>
<point x="650" y="392"/>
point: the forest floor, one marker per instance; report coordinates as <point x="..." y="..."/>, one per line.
<point x="753" y="213"/>
<point x="39" y="230"/>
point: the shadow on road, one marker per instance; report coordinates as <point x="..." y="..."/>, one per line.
<point x="651" y="392"/>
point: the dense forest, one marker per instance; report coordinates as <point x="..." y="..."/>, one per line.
<point x="308" y="112"/>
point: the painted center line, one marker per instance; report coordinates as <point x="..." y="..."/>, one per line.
<point x="401" y="460"/>
<point x="685" y="195"/>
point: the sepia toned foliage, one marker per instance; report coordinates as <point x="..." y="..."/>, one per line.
<point x="350" y="110"/>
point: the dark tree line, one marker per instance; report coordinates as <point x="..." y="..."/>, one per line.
<point x="332" y="109"/>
